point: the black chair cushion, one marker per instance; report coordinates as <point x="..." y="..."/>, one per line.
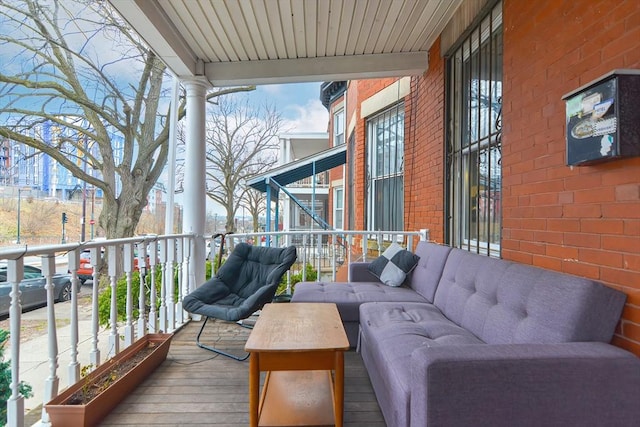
<point x="246" y="281"/>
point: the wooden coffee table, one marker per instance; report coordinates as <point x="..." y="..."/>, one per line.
<point x="300" y="345"/>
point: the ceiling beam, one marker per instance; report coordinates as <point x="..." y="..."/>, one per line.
<point x="152" y="24"/>
<point x="317" y="69"/>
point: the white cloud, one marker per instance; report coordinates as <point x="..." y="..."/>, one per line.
<point x="311" y="117"/>
<point x="273" y="89"/>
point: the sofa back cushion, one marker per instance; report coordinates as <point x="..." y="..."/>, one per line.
<point x="505" y="302"/>
<point x="425" y="276"/>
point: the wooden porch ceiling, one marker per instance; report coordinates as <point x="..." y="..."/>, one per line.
<point x="286" y="41"/>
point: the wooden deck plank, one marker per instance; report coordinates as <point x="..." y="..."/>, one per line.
<point x="195" y="387"/>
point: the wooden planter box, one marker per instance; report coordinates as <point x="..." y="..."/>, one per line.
<point x="73" y="415"/>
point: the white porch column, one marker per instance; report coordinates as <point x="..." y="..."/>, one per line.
<point x="286" y="157"/>
<point x="194" y="197"/>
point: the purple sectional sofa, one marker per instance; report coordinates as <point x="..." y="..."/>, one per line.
<point x="473" y="340"/>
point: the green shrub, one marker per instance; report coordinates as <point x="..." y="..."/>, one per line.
<point x="312" y="275"/>
<point x="104" y="299"/>
<point x="207" y="268"/>
<point x="5" y="380"/>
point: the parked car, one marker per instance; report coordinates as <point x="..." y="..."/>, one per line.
<point x="32" y="288"/>
<point x="85" y="270"/>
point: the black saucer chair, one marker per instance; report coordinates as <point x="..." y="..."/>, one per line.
<point x="243" y="284"/>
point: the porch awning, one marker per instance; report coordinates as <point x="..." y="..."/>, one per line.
<point x="292" y="172"/>
<point x="268" y="41"/>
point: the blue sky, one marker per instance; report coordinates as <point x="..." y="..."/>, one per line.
<point x="299" y="104"/>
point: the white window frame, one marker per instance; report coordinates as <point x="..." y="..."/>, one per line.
<point x="385" y="170"/>
<point x="338" y="208"/>
<point x="338" y="127"/>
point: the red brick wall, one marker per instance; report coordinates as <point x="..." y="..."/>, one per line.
<point x="582" y="220"/>
<point x="424" y="115"/>
<point x="424" y="150"/>
<point x="359" y="91"/>
<point x="352" y="107"/>
<point x="579" y="220"/>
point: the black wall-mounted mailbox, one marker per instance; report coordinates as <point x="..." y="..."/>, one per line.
<point x="603" y="119"/>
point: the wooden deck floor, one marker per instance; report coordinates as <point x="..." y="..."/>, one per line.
<point x="195" y="387"/>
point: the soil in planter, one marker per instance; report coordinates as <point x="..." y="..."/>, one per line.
<point x="100" y="384"/>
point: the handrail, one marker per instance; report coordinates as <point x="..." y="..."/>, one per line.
<point x="314" y="216"/>
<point x="120" y="256"/>
<point x="327" y="250"/>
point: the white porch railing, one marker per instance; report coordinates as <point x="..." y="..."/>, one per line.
<point x="166" y="255"/>
<point x="326" y="250"/>
<point x="171" y="253"/>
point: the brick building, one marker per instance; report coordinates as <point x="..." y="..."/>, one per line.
<point x="475" y="148"/>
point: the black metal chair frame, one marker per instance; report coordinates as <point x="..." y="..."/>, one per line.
<point x="239" y="322"/>
<point x="217" y="350"/>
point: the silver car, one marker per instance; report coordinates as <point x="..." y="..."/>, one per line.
<point x="32" y="289"/>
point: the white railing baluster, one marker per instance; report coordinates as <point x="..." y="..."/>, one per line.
<point x="170" y="286"/>
<point x="96" y="262"/>
<point x="287" y="242"/>
<point x="332" y="247"/>
<point x="74" y="366"/>
<point x="153" y="318"/>
<point x="128" y="271"/>
<point x="181" y="290"/>
<point x="318" y="252"/>
<point x="142" y="267"/>
<point x="52" y="381"/>
<point x="163" y="285"/>
<point x="348" y="239"/>
<point x="190" y="284"/>
<point x="114" y="339"/>
<point x="15" y="404"/>
<point x="304" y="257"/>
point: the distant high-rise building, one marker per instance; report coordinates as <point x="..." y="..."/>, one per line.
<point x="24" y="166"/>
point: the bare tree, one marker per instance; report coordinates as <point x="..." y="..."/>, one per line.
<point x="241" y="143"/>
<point x="75" y="67"/>
<point x="255" y="202"/>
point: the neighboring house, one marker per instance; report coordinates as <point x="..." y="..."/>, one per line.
<point x="332" y="97"/>
<point x="311" y="192"/>
<point x="475" y="148"/>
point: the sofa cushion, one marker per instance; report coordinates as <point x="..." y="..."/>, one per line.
<point x="349" y="295"/>
<point x="399" y="327"/>
<point x="389" y="333"/>
<point x="425" y="277"/>
<point x="504" y="302"/>
<point x="393" y="265"/>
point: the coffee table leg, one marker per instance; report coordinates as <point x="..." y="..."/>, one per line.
<point x="339" y="388"/>
<point x="254" y="384"/>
